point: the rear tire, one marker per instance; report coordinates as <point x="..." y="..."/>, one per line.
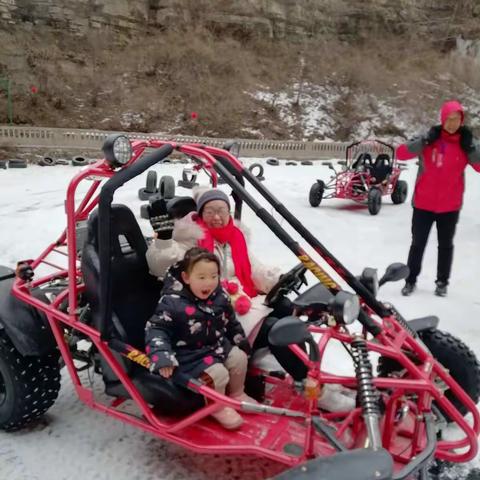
<point x="29" y="386"/>
<point x="316" y="193"/>
<point x="374" y="201"/>
<point x="399" y="194"/>
<point x="455" y="356"/>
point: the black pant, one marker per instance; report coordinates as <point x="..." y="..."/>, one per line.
<point x="285" y="357"/>
<point x="422" y="222"/>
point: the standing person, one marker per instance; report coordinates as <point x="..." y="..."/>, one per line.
<point x="213" y="228"/>
<point x="195" y="332"/>
<point x="444" y="152"/>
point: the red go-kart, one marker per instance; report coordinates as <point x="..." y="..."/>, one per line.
<point x="90" y="314"/>
<point x="369" y="172"/>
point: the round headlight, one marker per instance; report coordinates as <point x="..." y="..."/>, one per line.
<point x="345" y="307"/>
<point x="351" y="309"/>
<point x="117" y="150"/>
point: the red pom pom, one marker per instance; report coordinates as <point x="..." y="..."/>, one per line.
<point x="232" y="288"/>
<point x="243" y="305"/>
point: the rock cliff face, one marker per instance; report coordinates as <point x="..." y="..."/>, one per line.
<point x="313" y="69"/>
<point x="347" y="19"/>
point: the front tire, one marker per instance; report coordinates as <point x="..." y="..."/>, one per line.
<point x="459" y="360"/>
<point x="316" y="193"/>
<point x="455" y="356"/>
<point x="399" y="194"/>
<point x="29" y="386"/>
<point x="374" y="201"/>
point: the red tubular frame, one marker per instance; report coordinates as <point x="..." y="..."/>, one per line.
<point x="395" y="336"/>
<point x="346" y="181"/>
<point x="388" y="343"/>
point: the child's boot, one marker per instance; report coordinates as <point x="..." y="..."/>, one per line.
<point x="228" y="418"/>
<point x="243" y="397"/>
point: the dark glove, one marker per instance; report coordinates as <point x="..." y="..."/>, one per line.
<point x="245" y="346"/>
<point x="161" y="221"/>
<point x="466" y="139"/>
<point x="433" y="134"/>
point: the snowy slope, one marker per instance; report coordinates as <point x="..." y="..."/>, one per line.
<point x="73" y="439"/>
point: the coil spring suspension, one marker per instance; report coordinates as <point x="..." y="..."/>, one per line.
<point x="367" y="393"/>
<point x="401" y="320"/>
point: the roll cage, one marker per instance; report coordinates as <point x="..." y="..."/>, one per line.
<point x="388" y="330"/>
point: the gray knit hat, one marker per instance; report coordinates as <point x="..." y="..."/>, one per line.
<point x="208" y="196"/>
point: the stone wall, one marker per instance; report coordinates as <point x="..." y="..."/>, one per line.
<point x="78" y="16"/>
<point x="272" y="18"/>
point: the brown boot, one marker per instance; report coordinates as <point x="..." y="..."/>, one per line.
<point x="228" y="418"/>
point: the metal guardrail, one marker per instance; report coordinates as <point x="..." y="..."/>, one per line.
<point x="91" y="140"/>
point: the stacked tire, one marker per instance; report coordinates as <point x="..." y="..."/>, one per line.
<point x="17" y="164"/>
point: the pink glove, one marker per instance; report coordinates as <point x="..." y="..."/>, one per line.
<point x="242" y="305"/>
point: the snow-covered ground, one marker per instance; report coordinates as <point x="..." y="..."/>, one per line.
<point x="73" y="440"/>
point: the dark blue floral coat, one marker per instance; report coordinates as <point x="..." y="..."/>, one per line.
<point x="189" y="333"/>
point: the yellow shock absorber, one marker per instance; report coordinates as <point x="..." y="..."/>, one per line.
<point x="319" y="272"/>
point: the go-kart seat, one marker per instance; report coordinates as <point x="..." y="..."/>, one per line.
<point x="135" y="294"/>
<point x="364" y="160"/>
<point x="382" y="167"/>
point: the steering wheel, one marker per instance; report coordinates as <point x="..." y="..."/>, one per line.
<point x="288" y="282"/>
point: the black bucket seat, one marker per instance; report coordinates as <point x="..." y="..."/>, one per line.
<point x="135" y="294"/>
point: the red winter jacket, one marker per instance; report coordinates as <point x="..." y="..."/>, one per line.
<point x="440" y="180"/>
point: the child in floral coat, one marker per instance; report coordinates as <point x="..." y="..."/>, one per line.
<point x="195" y="332"/>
